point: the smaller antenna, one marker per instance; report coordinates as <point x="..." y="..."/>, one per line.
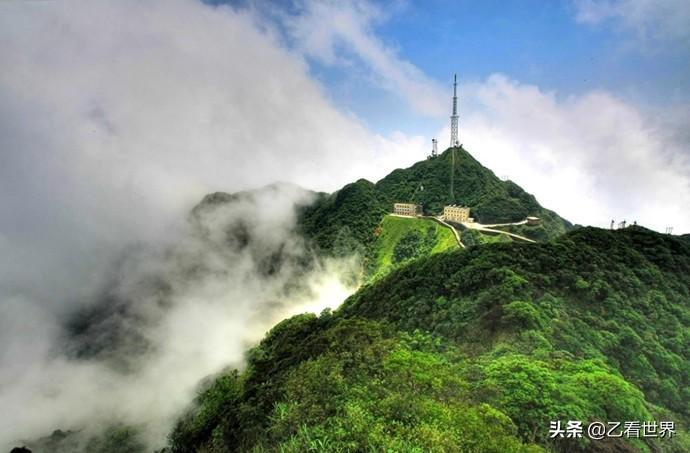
<point x="434" y="147"/>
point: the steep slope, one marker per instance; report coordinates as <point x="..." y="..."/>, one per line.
<point x="344" y="221"/>
<point x="473" y="351"/>
<point x="400" y="240"/>
<point x="626" y="289"/>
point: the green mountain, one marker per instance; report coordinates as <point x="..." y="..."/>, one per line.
<point x="476" y="350"/>
<point x="350" y="220"/>
<point x="347" y="220"/>
<point x="455" y="177"/>
<point x="447" y="349"/>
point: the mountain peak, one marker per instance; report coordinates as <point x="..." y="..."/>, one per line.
<point x="455" y="177"/>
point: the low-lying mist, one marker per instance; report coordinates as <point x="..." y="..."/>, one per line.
<point x="115" y="118"/>
<point x="169" y="315"/>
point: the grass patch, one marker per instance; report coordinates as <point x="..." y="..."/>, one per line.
<point x="401" y="239"/>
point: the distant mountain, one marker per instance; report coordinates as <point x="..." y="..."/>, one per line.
<point x="476" y="350"/>
<point x="112" y="439"/>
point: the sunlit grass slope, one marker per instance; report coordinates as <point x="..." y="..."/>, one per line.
<point x="400" y="240"/>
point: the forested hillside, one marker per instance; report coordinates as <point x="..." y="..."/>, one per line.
<point x="472" y="351"/>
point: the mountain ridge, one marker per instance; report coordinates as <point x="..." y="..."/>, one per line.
<point x="467" y="350"/>
<point x="345" y="222"/>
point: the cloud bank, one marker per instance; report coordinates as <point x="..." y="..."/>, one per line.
<point x="335" y="32"/>
<point x="659" y="23"/>
<point x="169" y="317"/>
<point x="592" y="158"/>
<point x="115" y="119"/>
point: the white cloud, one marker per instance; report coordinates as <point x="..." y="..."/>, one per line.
<point x="196" y="306"/>
<point x="591" y="158"/>
<point x="115" y="118"/>
<point x="656" y="22"/>
<point x="333" y="31"/>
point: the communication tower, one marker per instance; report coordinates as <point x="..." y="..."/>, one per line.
<point x="454" y="117"/>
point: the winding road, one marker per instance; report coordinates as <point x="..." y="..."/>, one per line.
<point x="475" y="226"/>
<point x="488" y="229"/>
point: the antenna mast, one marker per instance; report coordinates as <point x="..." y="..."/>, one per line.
<point x="454" y="117"/>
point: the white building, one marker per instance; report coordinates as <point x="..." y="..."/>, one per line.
<point x="408" y="209"/>
<point x="457" y="214"/>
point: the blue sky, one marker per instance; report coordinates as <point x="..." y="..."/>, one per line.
<point x="536" y="42"/>
<point x="585" y="103"/>
<point x="611" y="78"/>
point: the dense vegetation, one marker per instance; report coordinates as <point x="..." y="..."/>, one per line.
<point x="472" y="351"/>
<point x="429" y="183"/>
<point x="345" y="221"/>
